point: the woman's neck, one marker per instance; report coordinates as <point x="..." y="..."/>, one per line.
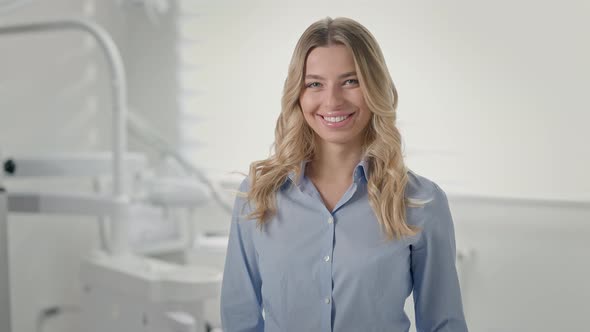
<point x="334" y="163"/>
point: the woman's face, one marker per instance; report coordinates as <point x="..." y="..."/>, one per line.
<point x="332" y="100"/>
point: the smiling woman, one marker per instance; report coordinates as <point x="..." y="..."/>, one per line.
<point x="332" y="232"/>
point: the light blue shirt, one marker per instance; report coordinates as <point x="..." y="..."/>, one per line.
<point x="310" y="269"/>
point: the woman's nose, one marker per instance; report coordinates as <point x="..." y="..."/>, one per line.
<point x="334" y="97"/>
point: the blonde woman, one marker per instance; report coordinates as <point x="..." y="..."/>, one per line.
<point x="332" y="232"/>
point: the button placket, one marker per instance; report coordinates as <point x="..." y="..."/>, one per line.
<point x="328" y="259"/>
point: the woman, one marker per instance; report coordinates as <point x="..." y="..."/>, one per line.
<point x="333" y="232"/>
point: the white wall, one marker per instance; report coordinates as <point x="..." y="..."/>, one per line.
<point x="528" y="270"/>
<point x="492" y="94"/>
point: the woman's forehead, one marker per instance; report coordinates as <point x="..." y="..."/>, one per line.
<point x="334" y="59"/>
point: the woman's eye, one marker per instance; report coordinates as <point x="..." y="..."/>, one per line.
<point x="351" y="81"/>
<point x="313" y="85"/>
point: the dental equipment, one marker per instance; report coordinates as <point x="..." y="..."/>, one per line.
<point x="159" y="285"/>
<point x="119" y="141"/>
<point x="128" y="282"/>
<point x="63" y="164"/>
<point x="119" y="102"/>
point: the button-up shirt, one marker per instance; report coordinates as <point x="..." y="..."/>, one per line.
<point x="311" y="269"/>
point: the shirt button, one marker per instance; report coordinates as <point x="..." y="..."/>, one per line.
<point x="330" y="220"/>
<point x="327" y="300"/>
<point x="326" y="258"/>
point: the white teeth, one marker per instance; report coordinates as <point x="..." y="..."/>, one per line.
<point x="335" y="119"/>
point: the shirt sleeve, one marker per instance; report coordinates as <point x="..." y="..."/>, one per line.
<point x="241" y="301"/>
<point x="437" y="297"/>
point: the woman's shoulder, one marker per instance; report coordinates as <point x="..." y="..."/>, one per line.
<point x="420" y="187"/>
<point x="434" y="216"/>
<point x="245" y="184"/>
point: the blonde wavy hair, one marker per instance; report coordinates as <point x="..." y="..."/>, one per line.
<point x="295" y="141"/>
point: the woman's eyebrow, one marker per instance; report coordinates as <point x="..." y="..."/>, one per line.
<point x="318" y="77"/>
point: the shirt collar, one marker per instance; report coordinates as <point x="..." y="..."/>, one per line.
<point x="293" y="176"/>
<point x="360" y="171"/>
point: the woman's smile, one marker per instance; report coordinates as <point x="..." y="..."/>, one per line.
<point x="336" y="121"/>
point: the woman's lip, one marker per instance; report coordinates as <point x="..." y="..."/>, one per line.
<point x="340" y="124"/>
